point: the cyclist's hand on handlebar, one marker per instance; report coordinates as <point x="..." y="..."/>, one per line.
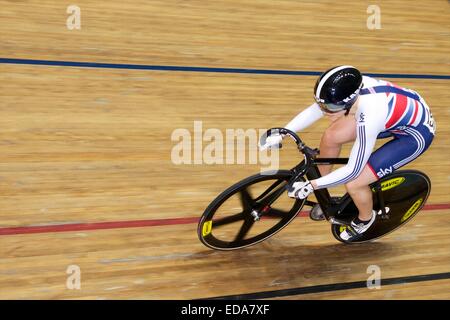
<point x="300" y="189"/>
<point x="273" y="141"/>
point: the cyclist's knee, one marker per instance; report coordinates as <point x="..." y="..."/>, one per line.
<point x="339" y="133"/>
<point x="355" y="186"/>
<point x="330" y="138"/>
<point x="362" y="182"/>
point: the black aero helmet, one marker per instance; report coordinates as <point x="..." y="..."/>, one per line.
<point x="338" y="88"/>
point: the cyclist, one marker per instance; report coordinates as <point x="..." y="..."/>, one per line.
<point x="362" y="109"/>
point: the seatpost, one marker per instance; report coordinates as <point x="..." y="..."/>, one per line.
<point x="380" y="200"/>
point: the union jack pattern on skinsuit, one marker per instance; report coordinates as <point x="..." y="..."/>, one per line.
<point x="403" y="110"/>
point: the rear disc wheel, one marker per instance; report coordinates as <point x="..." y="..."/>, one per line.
<point x="405" y="192"/>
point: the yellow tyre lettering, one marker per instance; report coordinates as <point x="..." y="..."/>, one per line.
<point x="391" y="183"/>
<point x="207" y="227"/>
<point x="411" y="210"/>
<point x="342" y="229"/>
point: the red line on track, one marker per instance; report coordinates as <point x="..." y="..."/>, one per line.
<point x="132" y="224"/>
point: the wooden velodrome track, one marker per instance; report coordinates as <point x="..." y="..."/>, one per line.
<point x="86" y="176"/>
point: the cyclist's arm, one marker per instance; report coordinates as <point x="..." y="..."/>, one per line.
<point x="370" y="122"/>
<point x="305" y="118"/>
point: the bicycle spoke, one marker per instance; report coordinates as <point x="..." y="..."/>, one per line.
<point x="276" y="213"/>
<point x="246" y="226"/>
<point x="230" y="219"/>
<point x="270" y="198"/>
<point x="246" y="200"/>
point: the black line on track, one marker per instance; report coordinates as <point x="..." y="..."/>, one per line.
<point x="331" y="287"/>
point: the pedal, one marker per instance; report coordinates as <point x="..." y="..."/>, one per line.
<point x="316" y="213"/>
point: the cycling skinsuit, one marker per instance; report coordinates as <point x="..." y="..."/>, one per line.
<point x="384" y="110"/>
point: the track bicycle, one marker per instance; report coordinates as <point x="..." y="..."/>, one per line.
<point x="256" y="208"/>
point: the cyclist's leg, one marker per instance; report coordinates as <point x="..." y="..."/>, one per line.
<point x="400" y="151"/>
<point x="339" y="132"/>
<point x="388" y="158"/>
<point x="361" y="194"/>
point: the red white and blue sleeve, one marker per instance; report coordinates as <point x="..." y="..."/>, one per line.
<point x="370" y="121"/>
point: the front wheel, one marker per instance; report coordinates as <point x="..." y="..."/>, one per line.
<point x="405" y="192"/>
<point x="241" y="216"/>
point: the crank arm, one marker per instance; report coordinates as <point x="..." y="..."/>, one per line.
<point x="310" y="203"/>
<point x="334" y="220"/>
<point x="344" y="223"/>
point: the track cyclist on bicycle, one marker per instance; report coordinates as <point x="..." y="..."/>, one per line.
<point x="362" y="109"/>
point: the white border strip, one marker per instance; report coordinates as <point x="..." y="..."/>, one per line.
<point x="327" y="76"/>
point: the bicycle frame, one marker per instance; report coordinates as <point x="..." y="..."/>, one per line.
<point x="329" y="207"/>
<point x="308" y="168"/>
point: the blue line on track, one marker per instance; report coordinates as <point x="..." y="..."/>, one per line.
<point x="203" y="69"/>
